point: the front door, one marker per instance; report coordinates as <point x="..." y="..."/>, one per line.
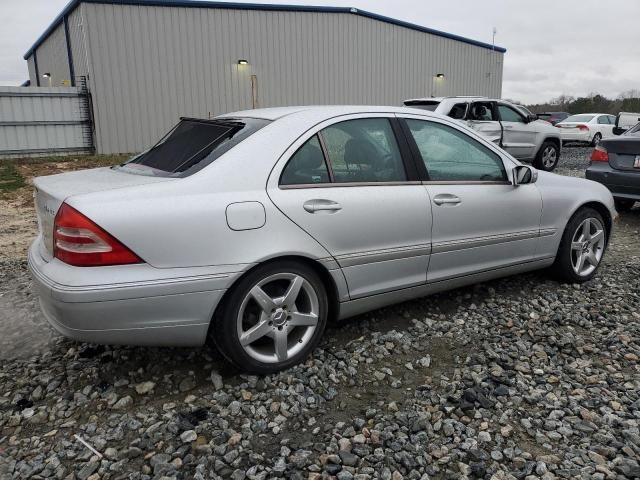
<point x="347" y="186"/>
<point x="519" y="137"/>
<point x="480" y="220"/>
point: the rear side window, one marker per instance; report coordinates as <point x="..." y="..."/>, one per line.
<point x="306" y="166"/>
<point x="603" y="120"/>
<point x="193" y="144"/>
<point x="450" y="155"/>
<point x="458" y="111"/>
<point x="363" y="150"/>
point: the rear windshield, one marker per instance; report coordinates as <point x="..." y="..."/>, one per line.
<point x="579" y="118"/>
<point x="192" y="145"/>
<point x="634" y="131"/>
<point x="430" y="105"/>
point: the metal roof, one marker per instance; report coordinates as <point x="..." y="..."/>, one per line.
<point x="254" y="6"/>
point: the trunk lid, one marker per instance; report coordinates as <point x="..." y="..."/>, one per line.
<point x="51" y="191"/>
<point x="624" y="153"/>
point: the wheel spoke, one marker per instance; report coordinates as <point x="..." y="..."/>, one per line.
<point x="259" y="330"/>
<point x="586" y="229"/>
<point x="592" y="259"/>
<point x="281" y="345"/>
<point x="576" y="246"/>
<point x="293" y="291"/>
<point x="265" y="301"/>
<point x="596" y="237"/>
<point x="579" y="263"/>
<point x="303" y="319"/>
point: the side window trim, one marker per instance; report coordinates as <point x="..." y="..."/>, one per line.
<point x="415" y="153"/>
<point x="408" y="161"/>
<point x="325" y="154"/>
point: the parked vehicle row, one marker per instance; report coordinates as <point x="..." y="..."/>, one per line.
<point x="253" y="229"/>
<point x="510" y="126"/>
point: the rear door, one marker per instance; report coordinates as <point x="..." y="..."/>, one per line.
<point x="483" y="118"/>
<point x="519" y="137"/>
<point x="349" y="184"/>
<point x="605" y="126"/>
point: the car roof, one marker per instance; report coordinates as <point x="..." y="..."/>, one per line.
<point x="441" y="99"/>
<point x="316" y="111"/>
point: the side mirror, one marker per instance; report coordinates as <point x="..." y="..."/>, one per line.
<point x="619" y="130"/>
<point x="523" y="175"/>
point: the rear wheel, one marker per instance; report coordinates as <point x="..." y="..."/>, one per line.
<point x="582" y="247"/>
<point x="547" y="157"/>
<point x="596" y="139"/>
<point x="624" y="204"/>
<point x="273" y="318"/>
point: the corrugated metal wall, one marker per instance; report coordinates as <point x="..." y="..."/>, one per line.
<point x="44" y="120"/>
<point x="52" y="58"/>
<point x="149" y="65"/>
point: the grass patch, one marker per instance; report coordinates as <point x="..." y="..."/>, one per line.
<point x="10" y="178"/>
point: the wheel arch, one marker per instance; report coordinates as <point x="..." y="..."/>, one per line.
<point x="602" y="209"/>
<point x="554" y="140"/>
<point x="333" y="294"/>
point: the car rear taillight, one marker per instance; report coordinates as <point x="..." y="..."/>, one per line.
<point x="582" y="127"/>
<point x="599" y="154"/>
<point x="80" y="242"/>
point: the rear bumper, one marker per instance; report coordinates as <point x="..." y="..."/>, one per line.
<point x="621" y="184"/>
<point x="575" y="136"/>
<point x="161" y="311"/>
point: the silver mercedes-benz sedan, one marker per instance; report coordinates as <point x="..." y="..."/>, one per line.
<point x="253" y="229"/>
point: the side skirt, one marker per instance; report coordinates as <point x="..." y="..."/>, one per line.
<point x="366" y="304"/>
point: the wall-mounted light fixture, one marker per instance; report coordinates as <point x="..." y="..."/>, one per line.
<point x="46" y="75"/>
<point x="439" y="75"/>
<point x="243" y="62"/>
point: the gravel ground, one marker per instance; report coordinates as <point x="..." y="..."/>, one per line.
<point x="517" y="378"/>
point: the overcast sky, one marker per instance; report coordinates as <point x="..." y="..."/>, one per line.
<point x="554" y="47"/>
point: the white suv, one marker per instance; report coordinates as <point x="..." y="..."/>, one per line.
<point x="513" y="127"/>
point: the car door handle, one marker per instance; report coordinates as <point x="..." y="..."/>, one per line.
<point x="446" y="199"/>
<point x="321" y="205"/>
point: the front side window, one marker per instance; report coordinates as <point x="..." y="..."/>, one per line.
<point x="450" y="155"/>
<point x="363" y="150"/>
<point x="306" y="166"/>
<point x="508" y="114"/>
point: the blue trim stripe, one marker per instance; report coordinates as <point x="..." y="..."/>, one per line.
<point x="255" y="6"/>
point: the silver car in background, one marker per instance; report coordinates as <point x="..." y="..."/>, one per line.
<point x="253" y="229"/>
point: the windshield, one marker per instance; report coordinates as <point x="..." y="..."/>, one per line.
<point x="579" y="118"/>
<point x="193" y="144"/>
<point x="634" y="131"/>
<point x="429" y="105"/>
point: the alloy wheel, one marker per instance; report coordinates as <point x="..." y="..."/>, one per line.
<point x="278" y="317"/>
<point x="587" y="246"/>
<point x="549" y="157"/>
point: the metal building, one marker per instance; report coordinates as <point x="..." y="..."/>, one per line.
<point x="148" y="62"/>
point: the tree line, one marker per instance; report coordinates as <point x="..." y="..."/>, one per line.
<point x="628" y="101"/>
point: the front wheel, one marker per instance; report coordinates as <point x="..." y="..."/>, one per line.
<point x="547" y="157"/>
<point x="273" y="318"/>
<point x="582" y="247"/>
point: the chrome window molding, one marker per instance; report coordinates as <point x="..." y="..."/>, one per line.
<point x="466" y="182"/>
<point x="350" y="184"/>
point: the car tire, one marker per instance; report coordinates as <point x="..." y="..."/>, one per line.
<point x="596" y="139"/>
<point x="547" y="157"/>
<point x="624" y="204"/>
<point x="259" y="329"/>
<point x="580" y="255"/>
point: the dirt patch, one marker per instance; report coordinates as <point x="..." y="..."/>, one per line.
<point x="18" y="223"/>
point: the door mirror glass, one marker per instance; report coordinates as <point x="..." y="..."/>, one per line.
<point x="524" y="174"/>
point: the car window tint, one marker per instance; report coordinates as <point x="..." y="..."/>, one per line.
<point x="451" y="155"/>
<point x="603" y="120"/>
<point x="458" y="111"/>
<point x="363" y="150"/>
<point x="193" y="144"/>
<point x="508" y="114"/>
<point x="306" y="166"/>
<point x="481" y="112"/>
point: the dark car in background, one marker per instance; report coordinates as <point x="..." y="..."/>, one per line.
<point x="553" y="117"/>
<point x="615" y="163"/>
